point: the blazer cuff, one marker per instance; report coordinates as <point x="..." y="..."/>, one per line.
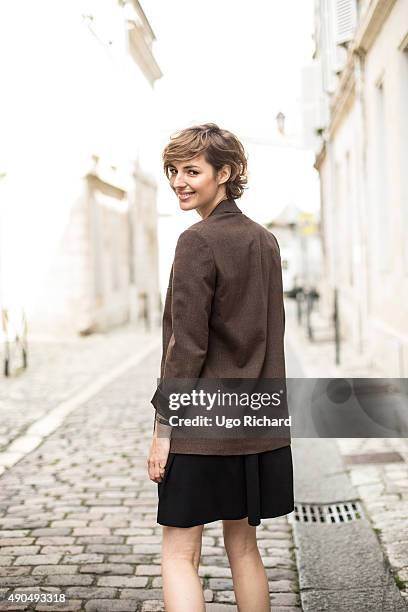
<point x="161" y="403"/>
<point x="163" y="430"/>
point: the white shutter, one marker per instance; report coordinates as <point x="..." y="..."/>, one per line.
<point x="327" y="44"/>
<point x="346" y="16"/>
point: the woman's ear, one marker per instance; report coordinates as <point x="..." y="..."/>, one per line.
<point x="224" y="174"/>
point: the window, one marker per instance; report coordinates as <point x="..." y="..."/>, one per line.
<point x="346" y="15"/>
<point x="403" y="156"/>
<point x="382" y="208"/>
<point x="349" y="220"/>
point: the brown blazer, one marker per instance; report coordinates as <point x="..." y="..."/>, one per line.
<point x="224" y="315"/>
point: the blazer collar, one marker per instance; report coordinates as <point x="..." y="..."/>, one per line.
<point x="225" y="206"/>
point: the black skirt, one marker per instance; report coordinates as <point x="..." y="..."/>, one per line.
<point x="200" y="489"/>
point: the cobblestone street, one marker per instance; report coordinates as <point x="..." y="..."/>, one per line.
<point x="78" y="513"/>
<point x="57" y="369"/>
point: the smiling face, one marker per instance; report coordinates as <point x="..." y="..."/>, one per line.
<point x="198" y="185"/>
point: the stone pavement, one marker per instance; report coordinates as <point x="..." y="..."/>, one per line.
<point x="78" y="513"/>
<point x="57" y="369"/>
<point x="383" y="489"/>
<point x="381" y="483"/>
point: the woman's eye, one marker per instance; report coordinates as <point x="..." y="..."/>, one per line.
<point x="173" y="171"/>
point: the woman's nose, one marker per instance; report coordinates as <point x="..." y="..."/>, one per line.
<point x="179" y="181"/>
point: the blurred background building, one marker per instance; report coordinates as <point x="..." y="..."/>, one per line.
<point x="355" y="117"/>
<point x="79" y="193"/>
<point x="292" y="187"/>
<point x="297" y="232"/>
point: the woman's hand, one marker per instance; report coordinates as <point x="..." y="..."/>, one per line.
<point x="159" y="451"/>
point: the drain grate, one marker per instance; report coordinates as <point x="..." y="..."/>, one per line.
<point x="339" y="512"/>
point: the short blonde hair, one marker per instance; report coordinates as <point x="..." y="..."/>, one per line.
<point x="219" y="147"/>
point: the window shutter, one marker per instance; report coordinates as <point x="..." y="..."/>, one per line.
<point x="346" y="16"/>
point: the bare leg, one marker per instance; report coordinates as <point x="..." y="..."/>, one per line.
<point x="181" y="550"/>
<point x="248" y="573"/>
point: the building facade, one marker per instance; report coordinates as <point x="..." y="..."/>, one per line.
<point x="84" y="177"/>
<point x="356" y="119"/>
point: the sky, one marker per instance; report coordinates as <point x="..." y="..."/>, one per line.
<point x="231" y="61"/>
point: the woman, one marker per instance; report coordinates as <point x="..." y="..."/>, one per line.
<point x="223" y="318"/>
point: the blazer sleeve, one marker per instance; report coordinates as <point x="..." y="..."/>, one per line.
<point x="193" y="287"/>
